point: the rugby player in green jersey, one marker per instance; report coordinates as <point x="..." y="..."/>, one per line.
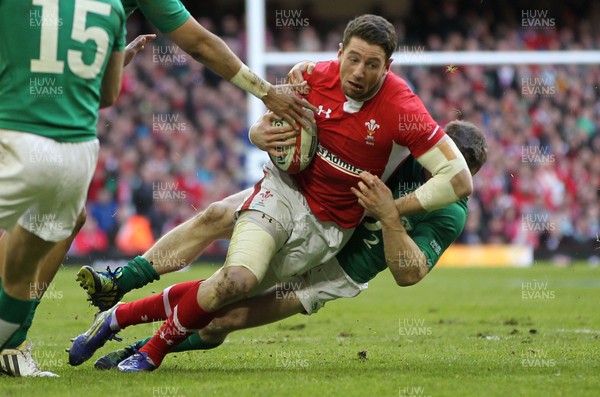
<point x="59" y="62"/>
<point x="409" y="246"/>
<point x="171" y="18"/>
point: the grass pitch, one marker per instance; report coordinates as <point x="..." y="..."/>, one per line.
<point x="460" y="332"/>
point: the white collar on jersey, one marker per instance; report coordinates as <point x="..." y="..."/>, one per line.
<point x="352" y="106"/>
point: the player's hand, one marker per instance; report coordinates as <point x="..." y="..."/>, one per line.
<point x="375" y="196"/>
<point x="282" y="100"/>
<point x="136" y="46"/>
<point x="296" y="75"/>
<point x="272" y="139"/>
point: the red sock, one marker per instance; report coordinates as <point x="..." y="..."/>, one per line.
<point x="152" y="308"/>
<point x="190" y="317"/>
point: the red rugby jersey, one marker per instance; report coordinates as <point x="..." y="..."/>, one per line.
<point x="375" y="136"/>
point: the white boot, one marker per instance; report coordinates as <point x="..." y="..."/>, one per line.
<point x="20" y="362"/>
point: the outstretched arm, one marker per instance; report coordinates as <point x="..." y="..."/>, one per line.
<point x="208" y="49"/>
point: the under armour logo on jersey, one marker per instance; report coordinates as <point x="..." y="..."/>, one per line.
<point x="327" y="112"/>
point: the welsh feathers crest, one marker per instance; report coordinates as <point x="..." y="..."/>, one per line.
<point x="372" y="126"/>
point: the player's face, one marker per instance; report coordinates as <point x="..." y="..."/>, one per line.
<point x="362" y="68"/>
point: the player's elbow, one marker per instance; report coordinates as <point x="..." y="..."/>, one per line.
<point x="408" y="280"/>
<point x="200" y="46"/>
<point x="109" y="93"/>
<point x="107" y="101"/>
<point x="216" y="221"/>
<point x="196" y="51"/>
<point x="194" y="39"/>
<point x="406" y="283"/>
<point x="462" y="183"/>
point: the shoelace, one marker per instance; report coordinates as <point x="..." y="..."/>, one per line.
<point x="115" y="337"/>
<point x="112" y="274"/>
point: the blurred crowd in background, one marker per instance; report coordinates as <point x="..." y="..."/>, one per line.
<point x="177" y="137"/>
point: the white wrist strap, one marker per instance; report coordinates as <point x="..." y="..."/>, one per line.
<point x="249" y="81"/>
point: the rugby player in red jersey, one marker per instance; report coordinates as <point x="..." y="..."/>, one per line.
<point x="409" y="246"/>
<point x="370" y="120"/>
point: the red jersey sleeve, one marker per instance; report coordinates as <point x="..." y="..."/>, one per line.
<point x="417" y="130"/>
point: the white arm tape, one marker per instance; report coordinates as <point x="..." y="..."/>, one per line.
<point x="438" y="192"/>
<point x="249" y="81"/>
<point x="250" y="134"/>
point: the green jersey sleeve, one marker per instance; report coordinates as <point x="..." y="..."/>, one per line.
<point x="434" y="234"/>
<point x="165" y="15"/>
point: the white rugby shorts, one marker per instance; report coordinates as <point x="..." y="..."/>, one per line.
<point x="311" y="242"/>
<point x="44" y="183"/>
<point x="323" y="284"/>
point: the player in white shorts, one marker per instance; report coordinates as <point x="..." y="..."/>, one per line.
<point x="51" y="90"/>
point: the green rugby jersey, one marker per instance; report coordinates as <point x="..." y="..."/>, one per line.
<point x="53" y="54"/>
<point x="165" y="15"/>
<point x="363" y="256"/>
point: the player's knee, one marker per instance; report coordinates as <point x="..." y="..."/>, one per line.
<point x="218" y="217"/>
<point x="235" y="283"/>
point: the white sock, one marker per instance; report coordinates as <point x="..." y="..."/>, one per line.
<point x="114" y="325"/>
<point x="7" y="330"/>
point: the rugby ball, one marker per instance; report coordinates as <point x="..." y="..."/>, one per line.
<point x="296" y="158"/>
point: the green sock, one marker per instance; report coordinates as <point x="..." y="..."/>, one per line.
<point x="138" y="345"/>
<point x="193" y="342"/>
<point x="21" y="335"/>
<point x="137" y="273"/>
<point x="13" y="312"/>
